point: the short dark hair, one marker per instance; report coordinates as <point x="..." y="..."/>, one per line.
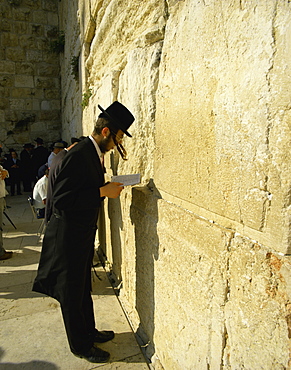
<point x="101" y="123"/>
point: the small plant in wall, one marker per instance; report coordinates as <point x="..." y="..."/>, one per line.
<point x="86" y="97"/>
<point x="14" y="2"/>
<point x="58" y="44"/>
<point x="75" y="67"/>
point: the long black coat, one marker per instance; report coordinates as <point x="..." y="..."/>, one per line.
<point x="68" y="245"/>
<point x="54" y="171"/>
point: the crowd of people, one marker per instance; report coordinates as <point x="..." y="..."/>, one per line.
<point x="27" y="167"/>
<point x="27" y="172"/>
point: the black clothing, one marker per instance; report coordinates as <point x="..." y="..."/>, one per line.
<point x="64" y="271"/>
<point x="39" y="157"/>
<point x="54" y="170"/>
<point x="27" y="170"/>
<point x="14" y="169"/>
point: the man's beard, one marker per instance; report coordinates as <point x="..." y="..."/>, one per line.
<point x="104" y="144"/>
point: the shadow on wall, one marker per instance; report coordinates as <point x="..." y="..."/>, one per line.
<point x="116" y="224"/>
<point x="144" y="217"/>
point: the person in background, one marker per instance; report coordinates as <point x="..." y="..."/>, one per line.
<point x="8" y="156"/>
<point x="2" y="159"/>
<point x="64" y="271"/>
<point x="57" y="147"/>
<point x="26" y="166"/>
<point x="54" y="170"/>
<point x="41" y="171"/>
<point x="40" y="194"/>
<point x="39" y="157"/>
<point x="13" y="165"/>
<point x="4" y="255"/>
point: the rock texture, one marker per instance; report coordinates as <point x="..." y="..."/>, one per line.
<point x="29" y="72"/>
<point x="202" y="246"/>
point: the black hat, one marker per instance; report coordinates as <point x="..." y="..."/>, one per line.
<point x="75" y="140"/>
<point x="119" y="115"/>
<point x="38" y="140"/>
<point x="28" y="145"/>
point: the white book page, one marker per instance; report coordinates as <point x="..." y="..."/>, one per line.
<point x="127" y="179"/>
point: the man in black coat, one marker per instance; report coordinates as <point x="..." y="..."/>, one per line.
<point x="26" y="165"/>
<point x="13" y="165"/>
<point x="64" y="271"/>
<point x="39" y="157"/>
<point x="54" y="170"/>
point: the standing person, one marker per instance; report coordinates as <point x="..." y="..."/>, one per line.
<point x="64" y="271"/>
<point x="40" y="195"/>
<point x="54" y="170"/>
<point x="39" y="157"/>
<point x="26" y="165"/>
<point x="57" y="147"/>
<point x="4" y="255"/>
<point x="14" y="167"/>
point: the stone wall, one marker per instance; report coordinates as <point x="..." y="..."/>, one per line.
<point x="29" y="72"/>
<point x="202" y="246"/>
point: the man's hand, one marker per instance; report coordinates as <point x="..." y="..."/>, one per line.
<point x="3" y="174"/>
<point x="111" y="190"/>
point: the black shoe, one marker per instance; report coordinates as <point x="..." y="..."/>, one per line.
<point x="6" y="256"/>
<point x="103" y="336"/>
<point x="95" y="355"/>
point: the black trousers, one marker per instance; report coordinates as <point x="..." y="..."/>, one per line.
<point x="15" y="183"/>
<point x="64" y="273"/>
<point x="80" y="324"/>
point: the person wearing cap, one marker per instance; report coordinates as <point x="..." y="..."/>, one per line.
<point x="64" y="271"/>
<point x="57" y="147"/>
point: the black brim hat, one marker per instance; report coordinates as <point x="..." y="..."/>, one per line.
<point x="118" y="115"/>
<point x="38" y="140"/>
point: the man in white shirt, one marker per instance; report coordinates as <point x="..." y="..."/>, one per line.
<point x="3" y="174"/>
<point x="40" y="194"/>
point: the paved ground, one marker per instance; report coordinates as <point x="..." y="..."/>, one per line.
<point x="32" y="334"/>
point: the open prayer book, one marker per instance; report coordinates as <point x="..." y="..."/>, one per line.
<point x="127" y="179"/>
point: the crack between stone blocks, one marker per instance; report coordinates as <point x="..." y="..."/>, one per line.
<point x="226" y="299"/>
<point x="267" y="202"/>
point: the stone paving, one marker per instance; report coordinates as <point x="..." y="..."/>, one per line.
<point x="32" y="334"/>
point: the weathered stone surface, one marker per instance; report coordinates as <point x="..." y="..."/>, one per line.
<point x="24" y="81"/>
<point x="23" y="64"/>
<point x="256" y="311"/>
<point x="7" y="67"/>
<point x="9" y="39"/>
<point x="200" y="245"/>
<point x="226" y="118"/>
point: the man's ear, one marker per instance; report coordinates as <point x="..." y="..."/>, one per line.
<point x="105" y="132"/>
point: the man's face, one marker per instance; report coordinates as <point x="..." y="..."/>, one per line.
<point x="108" y="142"/>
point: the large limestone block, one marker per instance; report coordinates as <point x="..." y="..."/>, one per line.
<point x="190" y="289"/>
<point x="120" y="27"/>
<point x="257" y="311"/>
<point x="217" y="112"/>
<point x="137" y="88"/>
